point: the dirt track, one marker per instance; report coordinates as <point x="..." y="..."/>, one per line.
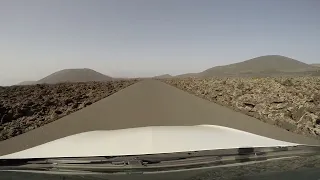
<point x="147" y="103"/>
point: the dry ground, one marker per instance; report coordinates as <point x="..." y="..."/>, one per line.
<point x="290" y="103"/>
<point x="146" y="103"/>
<point x="23" y="108"/>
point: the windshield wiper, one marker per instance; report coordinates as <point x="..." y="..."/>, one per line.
<point x="160" y="162"/>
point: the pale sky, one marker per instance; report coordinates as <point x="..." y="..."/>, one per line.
<point x="126" y="38"/>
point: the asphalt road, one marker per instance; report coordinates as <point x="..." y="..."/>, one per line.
<point x="147" y="103"/>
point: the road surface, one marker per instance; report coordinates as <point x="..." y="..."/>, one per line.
<point x="147" y="103"/>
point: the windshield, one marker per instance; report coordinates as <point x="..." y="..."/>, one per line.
<point x="255" y="163"/>
<point x="130" y="89"/>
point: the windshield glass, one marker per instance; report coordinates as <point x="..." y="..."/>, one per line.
<point x="268" y="162"/>
<point x="133" y="81"/>
<point x="294" y="167"/>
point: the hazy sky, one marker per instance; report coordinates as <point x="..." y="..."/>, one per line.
<point x="149" y="37"/>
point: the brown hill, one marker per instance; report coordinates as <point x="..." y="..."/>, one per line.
<point x="164" y="76"/>
<point x="187" y="75"/>
<point x="74" y="75"/>
<point x="317" y="65"/>
<point x="27" y="83"/>
<point x="270" y="65"/>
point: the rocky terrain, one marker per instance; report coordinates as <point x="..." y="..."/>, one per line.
<point x="23" y="108"/>
<point x="290" y="103"/>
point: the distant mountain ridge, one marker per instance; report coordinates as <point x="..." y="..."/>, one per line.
<point x="27" y="83"/>
<point x="70" y="75"/>
<point x="269" y="65"/>
<point x="74" y="75"/>
<point x="163" y="76"/>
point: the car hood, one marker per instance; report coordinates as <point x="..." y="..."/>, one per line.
<point x="147" y="140"/>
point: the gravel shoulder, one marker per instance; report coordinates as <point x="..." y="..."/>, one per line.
<point x="24" y="108"/>
<point x="290" y="103"/>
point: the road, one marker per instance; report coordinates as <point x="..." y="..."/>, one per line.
<point x="147" y="103"/>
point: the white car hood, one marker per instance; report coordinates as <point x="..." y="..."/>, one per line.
<point x="147" y="140"/>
